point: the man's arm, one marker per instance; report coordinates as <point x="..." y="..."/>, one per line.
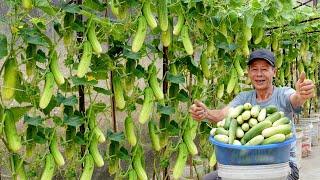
<point x="199" y="111"/>
<point x="304" y="91"/>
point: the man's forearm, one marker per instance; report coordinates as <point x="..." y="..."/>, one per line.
<point x="296" y="100"/>
<point x="217" y="115"/>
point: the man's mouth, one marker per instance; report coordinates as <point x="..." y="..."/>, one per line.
<point x="260" y="81"/>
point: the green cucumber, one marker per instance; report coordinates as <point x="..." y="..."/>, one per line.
<point x="255" y="111"/>
<point x="273" y="117"/>
<point x="220" y="130"/>
<point x="271" y="109"/>
<point x="262" y="115"/>
<point x="256" y="130"/>
<point x="235" y="112"/>
<point x="222" y="138"/>
<point x="246" y="115"/>
<point x="281" y="129"/>
<point x="277" y="138"/>
<point x="281" y="121"/>
<point x="255" y="141"/>
<point x="232" y="130"/>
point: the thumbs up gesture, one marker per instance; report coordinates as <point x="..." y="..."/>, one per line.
<point x="304" y="87"/>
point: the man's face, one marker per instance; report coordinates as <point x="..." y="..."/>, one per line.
<point x="261" y="73"/>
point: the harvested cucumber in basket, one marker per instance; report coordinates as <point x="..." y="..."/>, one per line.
<point x="252" y="125"/>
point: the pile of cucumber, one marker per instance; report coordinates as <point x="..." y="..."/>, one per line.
<point x="252" y="125"/>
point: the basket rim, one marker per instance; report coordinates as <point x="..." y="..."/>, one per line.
<point x="258" y="147"/>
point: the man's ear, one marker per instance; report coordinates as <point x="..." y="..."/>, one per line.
<point x="275" y="71"/>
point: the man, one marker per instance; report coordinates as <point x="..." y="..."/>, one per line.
<point x="261" y="70"/>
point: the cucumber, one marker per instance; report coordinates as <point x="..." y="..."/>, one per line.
<point x="96" y="46"/>
<point x="31" y="53"/>
<point x="246" y="115"/>
<point x="49" y="168"/>
<point x="232" y="130"/>
<point x="256" y="130"/>
<point x="262" y="115"/>
<point x="10" y="77"/>
<point x="114" y="161"/>
<point x="281" y="114"/>
<point x="238" y="67"/>
<point x="281" y="121"/>
<point x="94" y="151"/>
<point x="118" y="92"/>
<point x="288" y="136"/>
<point x="27" y="4"/>
<point x="147" y="13"/>
<point x="85" y="60"/>
<point x="88" y="168"/>
<point x="54" y="149"/>
<point x="187" y="138"/>
<point x="181" y="161"/>
<point x="54" y="67"/>
<point x="163" y="15"/>
<point x="240" y="120"/>
<point x="235" y="112"/>
<point x="239" y="133"/>
<point x="186" y="40"/>
<point x="222" y="138"/>
<point x="166" y="37"/>
<point x="258" y="38"/>
<point x="255" y="141"/>
<point x="255" y="111"/>
<point x="205" y="65"/>
<point x="129" y="131"/>
<point x="177" y="28"/>
<point x="220" y="91"/>
<point x="273" y="117"/>
<point x="277" y="138"/>
<point x="137" y="165"/>
<point x="213" y="159"/>
<point x="281" y="129"/>
<point x="221" y="123"/>
<point x="47" y="91"/>
<point x="245" y="127"/>
<point x="140" y="35"/>
<point x="227" y="123"/>
<point x="11" y="134"/>
<point x="237" y="142"/>
<point x="94" y="127"/>
<point x="147" y="106"/>
<point x="220" y="130"/>
<point x="247" y="106"/>
<point x="252" y="122"/>
<point x="213" y="131"/>
<point x="18" y="166"/>
<point x="271" y="109"/>
<point x="155" y="140"/>
<point x="132" y="175"/>
<point x="154" y="84"/>
<point x="232" y="81"/>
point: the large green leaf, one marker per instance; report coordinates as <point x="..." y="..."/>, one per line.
<point x="18" y="112"/>
<point x="178" y="79"/>
<point x="35" y="121"/>
<point x="73" y="120"/>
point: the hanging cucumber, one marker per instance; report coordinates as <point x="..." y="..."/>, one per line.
<point x="11" y="134"/>
<point x="140" y="35"/>
<point x="155" y="141"/>
<point x="177" y="28"/>
<point x="88" y="168"/>
<point x="137" y="165"/>
<point x="31" y="133"/>
<point x="166" y="37"/>
<point x="154" y="84"/>
<point x="132" y="175"/>
<point x="27" y="4"/>
<point x="204" y="65"/>
<point x="258" y="38"/>
<point x="118" y="92"/>
<point x="54" y="149"/>
<point x="85" y="60"/>
<point x="220" y="91"/>
<point x="96" y="46"/>
<point x="54" y="67"/>
<point x="147" y="106"/>
<point x="163" y="15"/>
<point x="238" y="67"/>
<point x="47" y="91"/>
<point x="94" y="151"/>
<point x="186" y="40"/>
<point x="9" y="79"/>
<point x="130" y="79"/>
<point x="31" y="53"/>
<point x="129" y="131"/>
<point x="187" y="138"/>
<point x="232" y="81"/>
<point x="68" y="21"/>
<point x="49" y="168"/>
<point x="114" y="161"/>
<point x="19" y="169"/>
<point x="147" y="13"/>
<point x="181" y="161"/>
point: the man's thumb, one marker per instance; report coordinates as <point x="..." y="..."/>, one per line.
<point x="199" y="103"/>
<point x="302" y="77"/>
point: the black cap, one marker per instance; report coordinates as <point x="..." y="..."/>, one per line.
<point x="264" y="54"/>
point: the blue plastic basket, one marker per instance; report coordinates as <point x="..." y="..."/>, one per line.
<point x="229" y="154"/>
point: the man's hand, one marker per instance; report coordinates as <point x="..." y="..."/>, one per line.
<point x="304" y="88"/>
<point x="198" y="110"/>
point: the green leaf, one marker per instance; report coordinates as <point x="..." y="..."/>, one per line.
<point x="32" y="36"/>
<point x="83" y="81"/>
<point x="3" y="46"/>
<point x="72" y="120"/>
<point x="183" y="96"/>
<point x="102" y="90"/>
<point x="40" y="137"/>
<point x="79" y="139"/>
<point x="173" y="129"/>
<point x="119" y="136"/>
<point x="45" y="7"/>
<point x="35" y="121"/>
<point x="72" y="8"/>
<point x="98" y="107"/>
<point x="165" y="109"/>
<point x="94" y="4"/>
<point x="18" y="112"/>
<point x="139" y="72"/>
<point x="131" y="55"/>
<point x="57" y="120"/>
<point x="123" y="154"/>
<point x="70" y="101"/>
<point x="178" y="79"/>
